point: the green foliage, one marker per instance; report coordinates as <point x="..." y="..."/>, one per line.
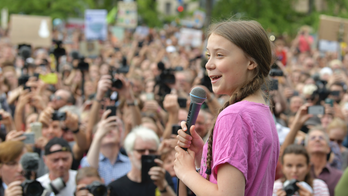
<point x="275" y="16"/>
<point x="147" y="10"/>
<point x="54" y="8"/>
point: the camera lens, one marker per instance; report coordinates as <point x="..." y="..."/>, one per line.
<point x="99" y="191"/>
<point x="117" y="84"/>
<point x="33" y="188"/>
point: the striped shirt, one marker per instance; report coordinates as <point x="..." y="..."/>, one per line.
<point x="319" y="187"/>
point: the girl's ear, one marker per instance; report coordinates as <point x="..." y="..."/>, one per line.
<point x="252" y="65"/>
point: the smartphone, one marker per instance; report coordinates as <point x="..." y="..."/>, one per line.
<point x="0" y="117"/>
<point x="175" y="129"/>
<point x="316" y="110"/>
<point x="27" y="87"/>
<point x="150" y="96"/>
<point x="29" y="138"/>
<point x="335" y="93"/>
<point x="36" y="128"/>
<point x="182" y="102"/>
<point x="147" y="161"/>
<point x="61" y="116"/>
<point x="346" y="106"/>
<point x="113" y="110"/>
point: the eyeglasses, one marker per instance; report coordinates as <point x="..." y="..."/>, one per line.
<point x="339" y="142"/>
<point x="310" y="99"/>
<point x="142" y="151"/>
<point x="52" y="97"/>
<point x="314" y="137"/>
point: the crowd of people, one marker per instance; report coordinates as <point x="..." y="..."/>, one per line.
<point x="112" y="120"/>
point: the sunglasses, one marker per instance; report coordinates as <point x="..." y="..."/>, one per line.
<point x="52" y="97"/>
<point x="142" y="151"/>
<point x="310" y="99"/>
<point x="339" y="142"/>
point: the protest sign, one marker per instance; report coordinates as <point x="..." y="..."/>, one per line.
<point x="191" y="37"/>
<point x="198" y="18"/>
<point x="331" y="28"/>
<point x="118" y="32"/>
<point x="34" y="30"/>
<point x="95" y="24"/>
<point x="89" y="48"/>
<point x="127" y="15"/>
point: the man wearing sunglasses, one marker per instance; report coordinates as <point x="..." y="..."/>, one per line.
<point x="61" y="98"/>
<point x="143" y="180"/>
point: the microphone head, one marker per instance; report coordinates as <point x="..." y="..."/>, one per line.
<point x="30" y="161"/>
<point x="198" y="95"/>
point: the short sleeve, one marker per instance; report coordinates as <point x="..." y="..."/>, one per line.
<point x="230" y="143"/>
<point x="84" y="162"/>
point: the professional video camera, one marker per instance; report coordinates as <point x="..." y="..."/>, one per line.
<point x="322" y="91"/>
<point x="165" y="79"/>
<point x="97" y="189"/>
<point x="82" y="65"/>
<point x="30" y="163"/>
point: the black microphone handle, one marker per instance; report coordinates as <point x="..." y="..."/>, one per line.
<point x="192" y="117"/>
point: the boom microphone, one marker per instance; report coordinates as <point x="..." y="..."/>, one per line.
<point x="30" y="161"/>
<point x="197" y="97"/>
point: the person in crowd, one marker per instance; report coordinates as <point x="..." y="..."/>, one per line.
<point x="317" y="143"/>
<point x="104" y="153"/>
<point x="84" y="177"/>
<point x="295" y="165"/>
<point x="11" y="171"/>
<point x="244" y="122"/>
<point x="142" y="141"/>
<point x="58" y="159"/>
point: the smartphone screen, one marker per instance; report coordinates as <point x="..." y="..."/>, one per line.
<point x="147" y="161"/>
<point x="29" y="138"/>
<point x="316" y="110"/>
<point x="113" y="110"/>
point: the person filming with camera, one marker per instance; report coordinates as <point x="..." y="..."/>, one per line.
<point x="89" y="183"/>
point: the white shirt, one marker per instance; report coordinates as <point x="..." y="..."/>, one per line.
<point x="70" y="185"/>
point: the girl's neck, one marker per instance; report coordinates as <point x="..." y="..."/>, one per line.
<point x="256" y="97"/>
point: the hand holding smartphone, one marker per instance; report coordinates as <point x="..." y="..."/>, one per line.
<point x="147" y="162"/>
<point x="316" y="110"/>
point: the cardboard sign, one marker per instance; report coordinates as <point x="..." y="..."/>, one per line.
<point x="330" y="28"/>
<point x="127" y="15"/>
<point x="34" y="30"/>
<point x="96" y="26"/>
<point x="89" y="48"/>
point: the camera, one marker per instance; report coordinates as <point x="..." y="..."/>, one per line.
<point x="56" y="186"/>
<point x="115" y="83"/>
<point x="32" y="188"/>
<point x="97" y="189"/>
<point x="276" y="72"/>
<point x="291" y="187"/>
<point x="61" y="116"/>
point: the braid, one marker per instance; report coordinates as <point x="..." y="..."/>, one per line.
<point x="244" y="92"/>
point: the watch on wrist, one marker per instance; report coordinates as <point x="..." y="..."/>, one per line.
<point x="164" y="190"/>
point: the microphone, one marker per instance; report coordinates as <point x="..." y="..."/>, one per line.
<point x="30" y="161"/>
<point x="197" y="97"/>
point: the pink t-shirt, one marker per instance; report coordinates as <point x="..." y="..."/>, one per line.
<point x="245" y="137"/>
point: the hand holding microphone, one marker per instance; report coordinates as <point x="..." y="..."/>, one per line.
<point x="187" y="136"/>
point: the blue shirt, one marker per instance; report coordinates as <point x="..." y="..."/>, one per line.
<point x="108" y="171"/>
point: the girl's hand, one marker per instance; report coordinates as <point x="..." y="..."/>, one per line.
<point x="194" y="142"/>
<point x="281" y="192"/>
<point x="303" y="191"/>
<point x="184" y="162"/>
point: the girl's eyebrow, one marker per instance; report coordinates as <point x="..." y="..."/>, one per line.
<point x="215" y="49"/>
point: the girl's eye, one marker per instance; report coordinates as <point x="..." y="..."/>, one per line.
<point x="219" y="55"/>
<point x="207" y="56"/>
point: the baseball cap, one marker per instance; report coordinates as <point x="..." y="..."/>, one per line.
<point x="60" y="141"/>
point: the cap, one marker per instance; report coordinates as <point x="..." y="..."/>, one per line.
<point x="60" y="141"/>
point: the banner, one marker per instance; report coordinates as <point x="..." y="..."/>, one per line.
<point x="34" y="30"/>
<point x="95" y="24"/>
<point x="190" y="37"/>
<point x="127" y="15"/>
<point x="89" y="49"/>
